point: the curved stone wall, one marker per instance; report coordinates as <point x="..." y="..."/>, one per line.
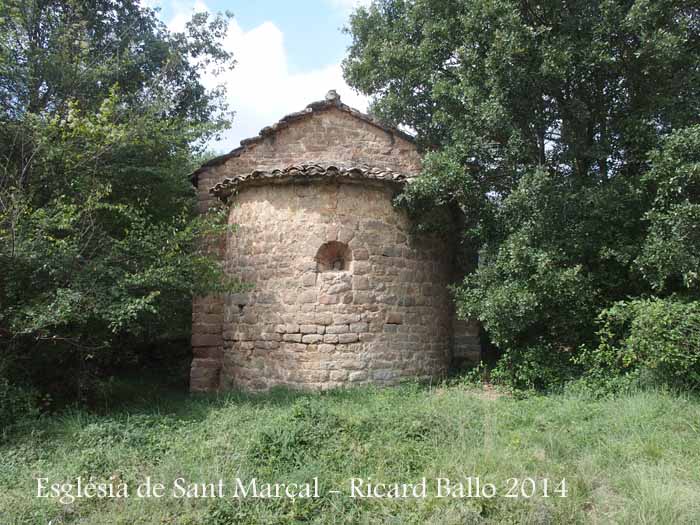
<point x="341" y="293"/>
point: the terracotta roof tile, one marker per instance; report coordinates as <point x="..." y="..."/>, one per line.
<point x="305" y="172"/>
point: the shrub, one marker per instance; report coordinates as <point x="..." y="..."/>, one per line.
<point x="658" y="338"/>
<point x="535" y="367"/>
<point x="15" y="404"/>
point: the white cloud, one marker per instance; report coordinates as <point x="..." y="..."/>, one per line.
<point x="151" y="4"/>
<point x="182" y="12"/>
<point x="349" y="5"/>
<point x="261" y="89"/>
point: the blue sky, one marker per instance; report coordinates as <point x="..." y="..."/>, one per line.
<point x="288" y="54"/>
<point x="311" y="29"/>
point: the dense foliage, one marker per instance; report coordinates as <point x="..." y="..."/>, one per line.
<point x="102" y="116"/>
<point x="566" y="136"/>
<point x="655" y="337"/>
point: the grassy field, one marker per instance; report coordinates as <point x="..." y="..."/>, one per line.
<point x="635" y="459"/>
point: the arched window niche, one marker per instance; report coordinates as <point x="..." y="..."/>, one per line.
<point x="333" y="256"/>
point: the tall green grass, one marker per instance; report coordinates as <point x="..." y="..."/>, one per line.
<point x="633" y="459"/>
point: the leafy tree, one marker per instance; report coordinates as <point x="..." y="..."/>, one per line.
<point x="102" y="114"/>
<point x="658" y="338"/>
<point x="670" y="257"/>
<point x="539" y="120"/>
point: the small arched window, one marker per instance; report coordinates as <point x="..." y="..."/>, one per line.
<point x="333" y="256"/>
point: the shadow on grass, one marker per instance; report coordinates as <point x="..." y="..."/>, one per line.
<point x="150" y="394"/>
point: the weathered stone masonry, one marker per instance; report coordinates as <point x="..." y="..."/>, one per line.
<point x="341" y="292"/>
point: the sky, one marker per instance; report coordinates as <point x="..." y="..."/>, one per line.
<point x="287" y="53"/>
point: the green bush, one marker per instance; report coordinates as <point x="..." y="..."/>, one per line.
<point x="15" y="404"/>
<point x="656" y="338"/>
<point x="100" y="238"/>
<point x="536" y="367"/>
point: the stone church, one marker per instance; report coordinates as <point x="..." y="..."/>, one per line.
<point x="340" y="292"/>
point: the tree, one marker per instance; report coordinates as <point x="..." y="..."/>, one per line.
<point x="670" y="257"/>
<point x="538" y="119"/>
<point x="102" y="114"/>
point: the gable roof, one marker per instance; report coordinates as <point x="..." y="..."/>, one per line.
<point x="332" y="100"/>
<point x="307" y="172"/>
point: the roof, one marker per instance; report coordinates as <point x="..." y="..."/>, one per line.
<point x="332" y="100"/>
<point x="305" y="173"/>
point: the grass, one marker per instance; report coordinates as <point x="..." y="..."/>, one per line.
<point x="634" y="459"/>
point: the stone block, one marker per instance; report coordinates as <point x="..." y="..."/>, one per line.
<point x="339" y="288"/>
<point x="385" y="375"/>
<point x="308" y="296"/>
<point x="338" y="375"/>
<point x="360" y="254"/>
<point x="347" y="338"/>
<point x="337" y="329"/>
<point x="346" y="318"/>
<point x="309" y="279"/>
<point x="361" y="267"/>
<point x="360" y="283"/>
<point x="328" y="299"/>
<point x="357" y="376"/>
<point x="394" y="318"/>
<point x="207" y="340"/>
<point x="208" y="352"/>
<point x="359" y="327"/>
<point x="323" y="319"/>
<point x="200" y="328"/>
<point x="363" y="298"/>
